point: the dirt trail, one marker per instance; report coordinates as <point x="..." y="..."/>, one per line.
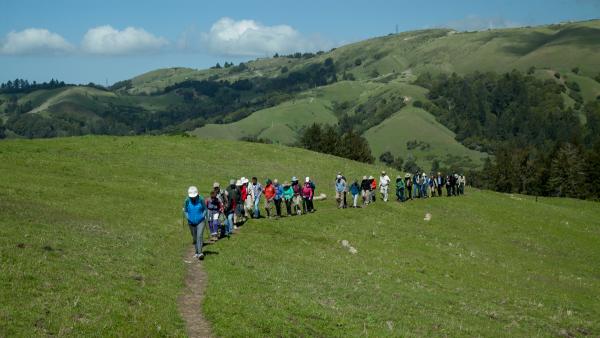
<point x="190" y="303"/>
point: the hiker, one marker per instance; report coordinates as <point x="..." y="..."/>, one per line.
<point x="365" y="187"/>
<point x="453" y="184"/>
<point x="424" y="185"/>
<point x="213" y="206"/>
<point x="248" y="198"/>
<point x="307" y="196"/>
<point x="448" y="186"/>
<point x="373" y="188"/>
<point x="297" y="199"/>
<point x="269" y="196"/>
<point x="340" y="190"/>
<point x="416" y="185"/>
<point x="195" y="214"/>
<point x="431" y="184"/>
<point x="400" y="186"/>
<point x="440" y="183"/>
<point x="345" y="205"/>
<point x="238" y="216"/>
<point x="384" y="182"/>
<point x="461" y="184"/>
<point x="409" y="185"/>
<point x="233" y="199"/>
<point x="288" y="195"/>
<point x="355" y="191"/>
<point x="278" y="197"/>
<point x="256" y="191"/>
<point x="221" y="196"/>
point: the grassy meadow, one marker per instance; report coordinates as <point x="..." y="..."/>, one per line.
<point x="92" y="243"/>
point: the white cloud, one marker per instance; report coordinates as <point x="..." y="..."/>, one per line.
<point x="105" y="40"/>
<point x="251" y="38"/>
<point x="477" y="23"/>
<point x="34" y="41"/>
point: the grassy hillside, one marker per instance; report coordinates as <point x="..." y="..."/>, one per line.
<point x="368" y="72"/>
<point x="91" y="242"/>
<point x="435" y="141"/>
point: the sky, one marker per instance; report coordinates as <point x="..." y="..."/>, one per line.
<point x="81" y="41"/>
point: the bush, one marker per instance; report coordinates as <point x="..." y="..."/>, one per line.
<point x="557" y="75"/>
<point x="358" y="62"/>
<point x="418" y="104"/>
<point x="575" y="70"/>
<point x="573" y="86"/>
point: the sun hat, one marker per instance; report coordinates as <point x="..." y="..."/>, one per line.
<point x="364" y="177"/>
<point x="371" y="177"/>
<point x="238" y="183"/>
<point x="407" y="175"/>
<point x="275" y="181"/>
<point x="192" y="191"/>
<point x="339" y="176"/>
<point x="216" y="185"/>
<point x="231" y="182"/>
<point x="286" y="183"/>
<point x="383" y="172"/>
<point x="294" y="179"/>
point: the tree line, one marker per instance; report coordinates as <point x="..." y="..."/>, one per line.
<point x="540" y="145"/>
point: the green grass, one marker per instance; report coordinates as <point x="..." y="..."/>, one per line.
<point x="411" y="124"/>
<point x="91" y="243"/>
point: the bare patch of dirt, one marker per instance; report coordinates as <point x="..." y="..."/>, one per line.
<point x="190" y="302"/>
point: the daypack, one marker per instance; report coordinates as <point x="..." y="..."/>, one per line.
<point x="296" y="188"/>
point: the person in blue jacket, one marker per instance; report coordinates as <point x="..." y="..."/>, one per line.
<point x="195" y="213"/>
<point x="355" y="191"/>
<point x="278" y="196"/>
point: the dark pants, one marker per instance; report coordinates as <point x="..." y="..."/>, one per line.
<point x="278" y="207"/>
<point x="288" y="207"/>
<point x="345" y="201"/>
<point x="439" y="188"/>
<point x="307" y="204"/>
<point x="449" y="190"/>
<point x="410" y="192"/>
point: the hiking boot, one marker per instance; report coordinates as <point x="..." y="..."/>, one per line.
<point x="201" y="256"/>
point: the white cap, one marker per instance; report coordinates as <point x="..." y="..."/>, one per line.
<point x="192" y="192"/>
<point x="339" y="176"/>
<point x="216" y="185"/>
<point x="275" y="181"/>
<point x="307" y="179"/>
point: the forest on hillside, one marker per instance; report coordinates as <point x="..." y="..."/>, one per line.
<point x="540" y="146"/>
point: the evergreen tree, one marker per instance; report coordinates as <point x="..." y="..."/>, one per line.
<point x="567" y="172"/>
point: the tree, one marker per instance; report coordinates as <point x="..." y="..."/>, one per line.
<point x="435" y="166"/>
<point x="575" y="70"/>
<point x="387" y="158"/>
<point x="398" y="163"/>
<point x="410" y="165"/>
<point x="567" y="172"/>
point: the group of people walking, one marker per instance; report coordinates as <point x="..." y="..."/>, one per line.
<point x="411" y="186"/>
<point x="225" y="209"/>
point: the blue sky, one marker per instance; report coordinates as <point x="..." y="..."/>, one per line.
<point x="82" y="41"/>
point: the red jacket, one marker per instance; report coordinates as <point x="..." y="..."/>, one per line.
<point x="269" y="192"/>
<point x="244" y="192"/>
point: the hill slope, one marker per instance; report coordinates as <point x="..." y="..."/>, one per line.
<point x="91" y="242"/>
<point x="177" y="100"/>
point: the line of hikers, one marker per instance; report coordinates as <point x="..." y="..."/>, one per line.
<point x="411" y="186"/>
<point x="226" y="208"/>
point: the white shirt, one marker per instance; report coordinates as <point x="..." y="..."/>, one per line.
<point x="384" y="181"/>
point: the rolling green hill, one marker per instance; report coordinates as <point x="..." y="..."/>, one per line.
<point x="368" y="72"/>
<point x="91" y="243"/>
